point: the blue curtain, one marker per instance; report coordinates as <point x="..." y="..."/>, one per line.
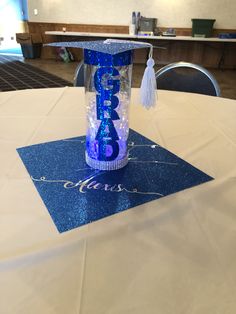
<point x="24" y="10"/>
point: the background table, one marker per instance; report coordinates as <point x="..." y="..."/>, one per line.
<point x="212" y="52"/>
<point x="174" y="255"/>
<point x="128" y="36"/>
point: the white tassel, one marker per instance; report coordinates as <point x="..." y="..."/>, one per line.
<point x="148" y="87"/>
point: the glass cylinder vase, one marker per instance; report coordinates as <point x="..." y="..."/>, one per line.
<point x="107" y="90"/>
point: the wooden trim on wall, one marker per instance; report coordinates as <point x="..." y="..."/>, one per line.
<point x="206" y="54"/>
<point x="116" y="29"/>
<point x="50" y="52"/>
<point x="42" y="27"/>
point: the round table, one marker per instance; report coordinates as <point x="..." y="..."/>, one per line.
<point x="173" y="255"/>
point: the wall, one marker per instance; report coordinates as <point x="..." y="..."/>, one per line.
<point x="171" y="13"/>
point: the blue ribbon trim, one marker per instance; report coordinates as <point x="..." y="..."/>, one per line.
<point x="105" y="59"/>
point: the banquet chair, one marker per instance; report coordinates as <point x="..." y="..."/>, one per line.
<point x="187" y="77"/>
<point x="79" y="75"/>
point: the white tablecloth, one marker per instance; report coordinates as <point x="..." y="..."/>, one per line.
<point x="175" y="255"/>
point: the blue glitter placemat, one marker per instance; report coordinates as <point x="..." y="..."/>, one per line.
<point x="75" y="194"/>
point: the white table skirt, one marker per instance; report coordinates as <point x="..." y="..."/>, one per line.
<point x="174" y="255"/>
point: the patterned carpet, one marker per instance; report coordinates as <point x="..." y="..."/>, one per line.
<point x="15" y="75"/>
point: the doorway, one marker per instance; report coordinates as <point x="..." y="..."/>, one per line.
<point x="13" y="14"/>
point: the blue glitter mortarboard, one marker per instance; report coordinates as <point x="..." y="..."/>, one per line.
<point x="114" y="47"/>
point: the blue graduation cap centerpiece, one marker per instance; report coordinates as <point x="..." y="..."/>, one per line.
<point x="75" y="194"/>
<point x="108" y="71"/>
